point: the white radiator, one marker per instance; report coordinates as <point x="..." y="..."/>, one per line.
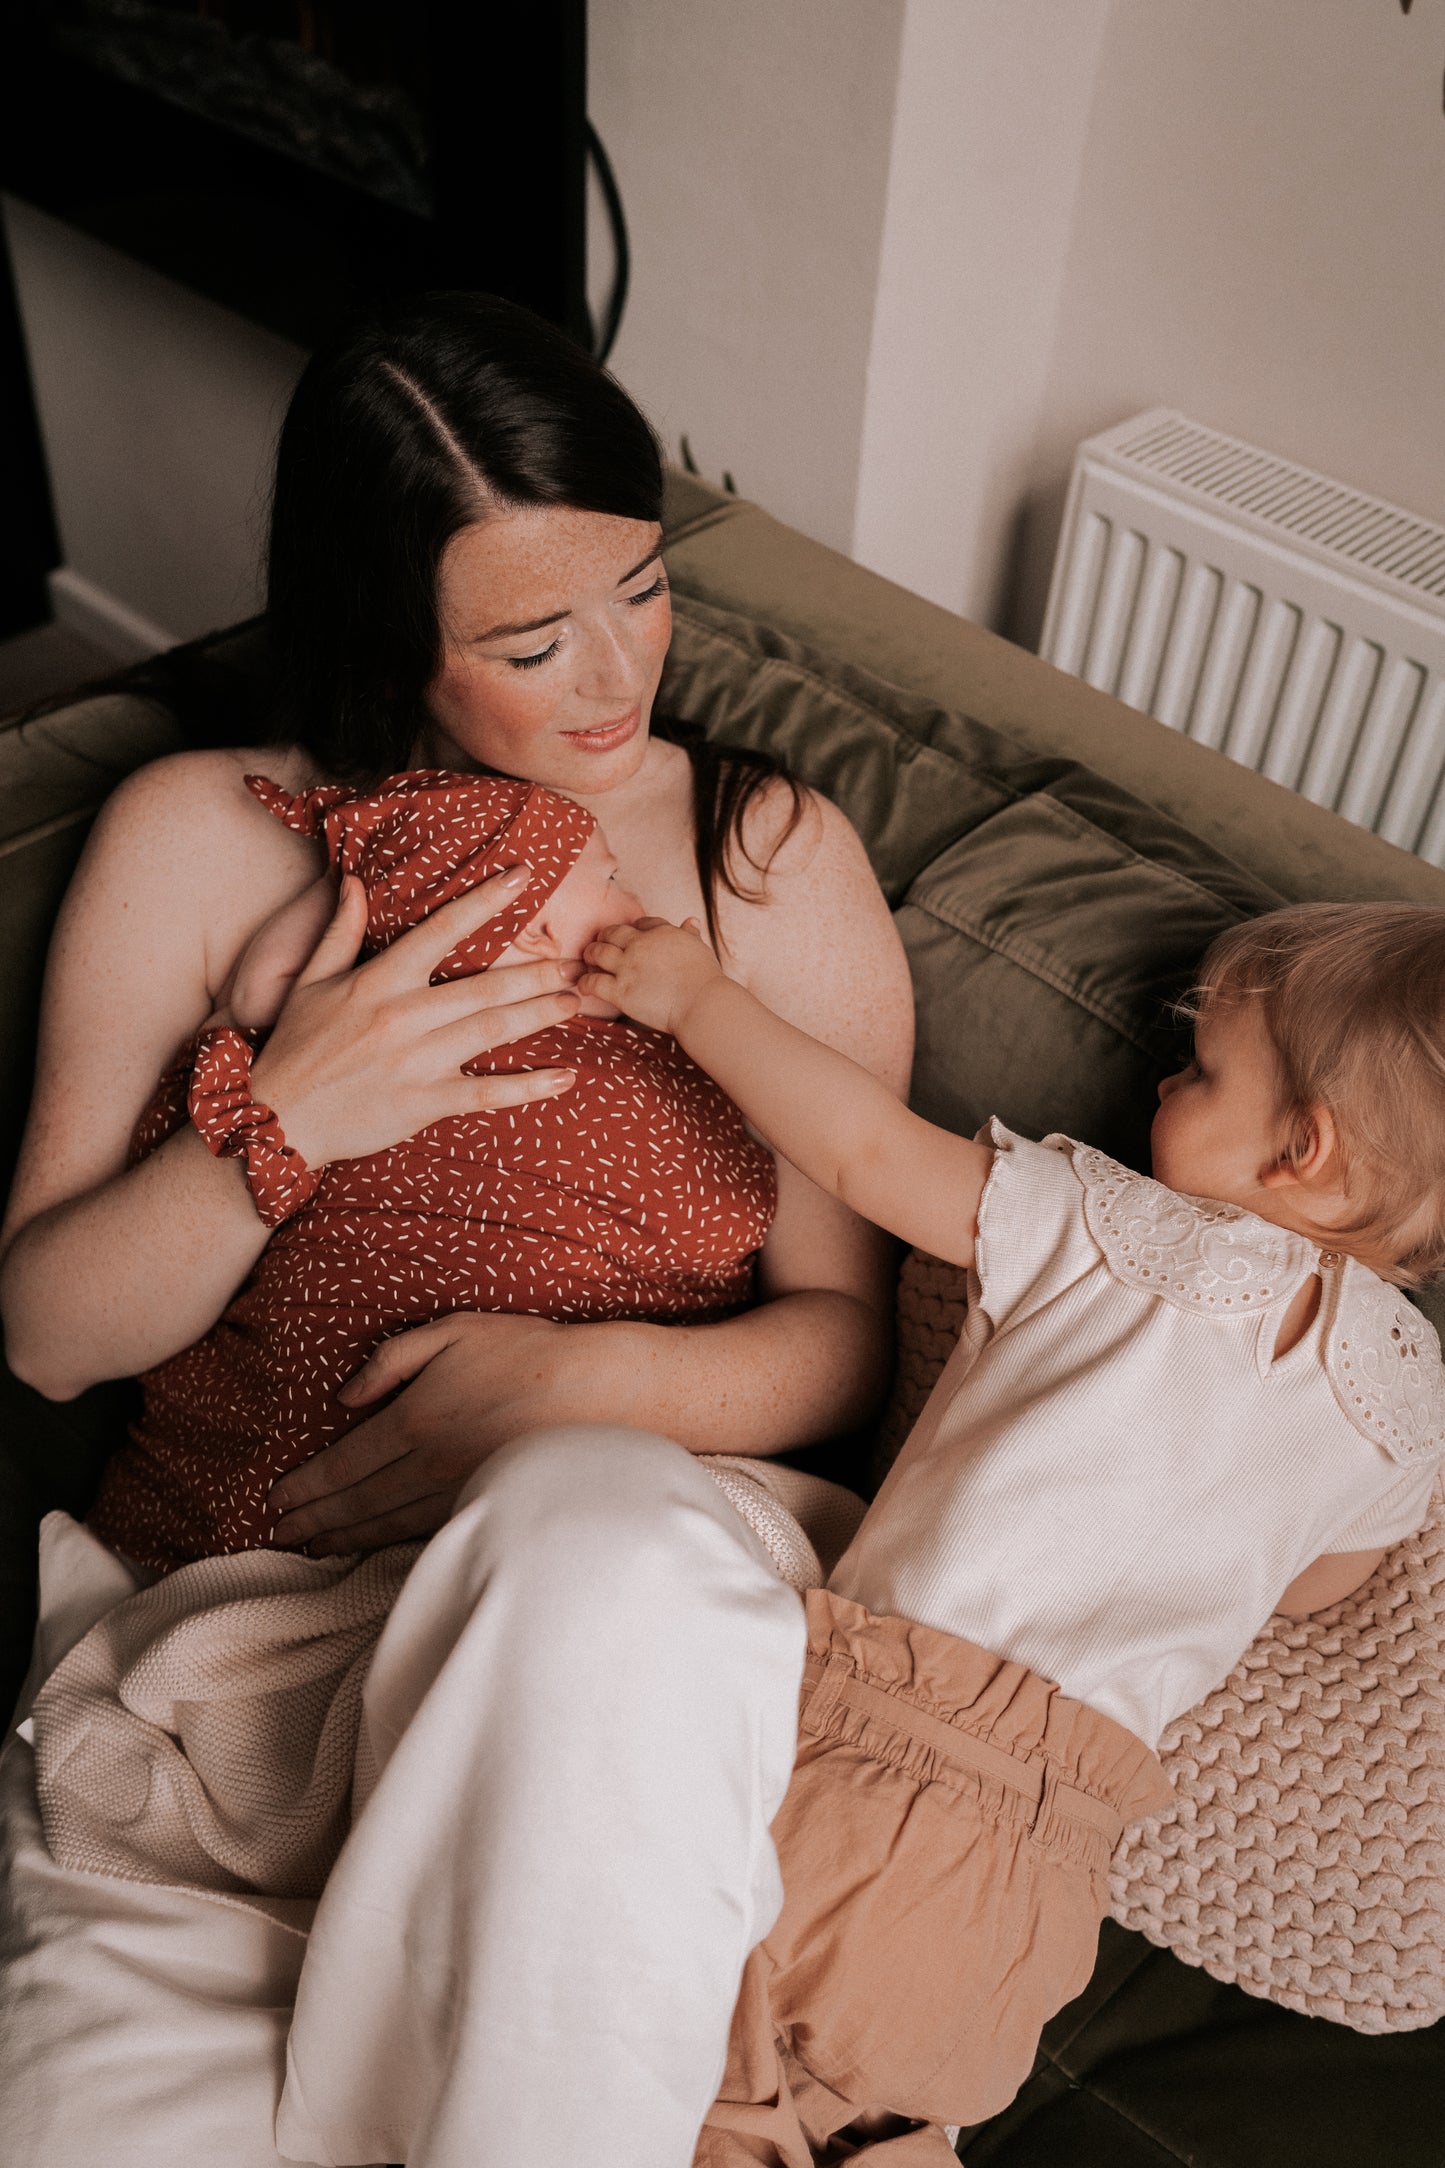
<point x="1297" y="625"/>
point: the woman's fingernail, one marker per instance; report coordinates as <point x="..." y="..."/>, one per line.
<point x="564" y="1080"/>
<point x="571" y="968"/>
<point x="517" y="877"/>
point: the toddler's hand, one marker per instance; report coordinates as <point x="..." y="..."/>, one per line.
<point x="652" y="971"/>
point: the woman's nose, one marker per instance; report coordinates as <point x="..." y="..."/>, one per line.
<point x="609" y="669"/>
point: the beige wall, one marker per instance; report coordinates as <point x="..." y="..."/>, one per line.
<point x="892" y="259"/>
<point x="751" y="145"/>
<point x="751" y="142"/>
<point x="989" y="129"/>
<point x="159" y="413"/>
<point x="1260" y="241"/>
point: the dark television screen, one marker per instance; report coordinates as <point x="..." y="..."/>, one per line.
<point x="295" y="157"/>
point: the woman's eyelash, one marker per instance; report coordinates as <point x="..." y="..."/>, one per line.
<point x="530" y="662"/>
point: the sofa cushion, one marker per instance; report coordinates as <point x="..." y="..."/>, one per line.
<point x="1049" y="917"/>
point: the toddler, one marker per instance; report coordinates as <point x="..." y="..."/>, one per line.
<point x="1177" y="1405"/>
<point x="635" y="1193"/>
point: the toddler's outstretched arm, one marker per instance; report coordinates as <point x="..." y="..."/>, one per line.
<point x="836" y="1123"/>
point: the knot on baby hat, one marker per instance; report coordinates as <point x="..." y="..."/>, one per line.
<point x="421" y="838"/>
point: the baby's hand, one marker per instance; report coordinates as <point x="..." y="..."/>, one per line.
<point x="652" y="971"/>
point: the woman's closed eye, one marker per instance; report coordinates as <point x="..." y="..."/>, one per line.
<point x="545" y="654"/>
<point x="530" y="662"/>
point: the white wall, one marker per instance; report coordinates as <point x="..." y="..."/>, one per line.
<point x="993" y="107"/>
<point x="751" y="145"/>
<point x="1260" y="241"/>
<point x="159" y="412"/>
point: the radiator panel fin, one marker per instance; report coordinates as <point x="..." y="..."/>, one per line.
<point x="1284" y="619"/>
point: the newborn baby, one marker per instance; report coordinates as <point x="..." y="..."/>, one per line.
<point x="636" y="1194"/>
<point x="586" y="901"/>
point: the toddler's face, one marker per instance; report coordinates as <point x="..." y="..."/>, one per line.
<point x="1217" y="1129"/>
<point x="582" y="905"/>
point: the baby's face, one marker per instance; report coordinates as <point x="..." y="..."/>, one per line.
<point x="588" y="900"/>
<point x="1218" y="1126"/>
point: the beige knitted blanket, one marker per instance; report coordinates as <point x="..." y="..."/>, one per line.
<point x="1304" y="1858"/>
<point x="205" y="1730"/>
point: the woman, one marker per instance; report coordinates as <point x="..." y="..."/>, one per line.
<point x="580" y="1717"/>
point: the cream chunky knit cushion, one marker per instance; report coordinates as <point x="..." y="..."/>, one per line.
<point x="1305" y="1856"/>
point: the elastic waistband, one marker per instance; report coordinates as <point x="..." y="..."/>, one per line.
<point x="980" y="1712"/>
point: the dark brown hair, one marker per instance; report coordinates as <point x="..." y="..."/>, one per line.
<point x="399" y="435"/>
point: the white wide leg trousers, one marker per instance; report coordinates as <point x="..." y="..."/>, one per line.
<point x="579" y="1723"/>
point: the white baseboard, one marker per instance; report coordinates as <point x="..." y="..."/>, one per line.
<point x="103" y="620"/>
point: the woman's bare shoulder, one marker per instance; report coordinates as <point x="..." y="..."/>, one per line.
<point x="199" y="790"/>
<point x="180" y="868"/>
<point x="819" y="946"/>
<point x="186" y="831"/>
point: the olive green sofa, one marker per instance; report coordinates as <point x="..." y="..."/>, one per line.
<point x="1057" y="864"/>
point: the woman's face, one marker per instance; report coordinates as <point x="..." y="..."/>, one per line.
<point x="555" y="625"/>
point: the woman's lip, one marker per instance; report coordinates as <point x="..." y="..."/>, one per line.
<point x="607" y="735"/>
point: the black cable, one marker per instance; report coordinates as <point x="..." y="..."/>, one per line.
<point x="604" y="340"/>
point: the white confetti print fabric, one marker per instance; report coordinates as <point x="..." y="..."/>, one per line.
<point x="637" y="1194"/>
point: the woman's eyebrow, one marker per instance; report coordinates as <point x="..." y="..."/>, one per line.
<point x="536" y="624"/>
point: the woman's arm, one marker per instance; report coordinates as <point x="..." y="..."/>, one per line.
<point x="104" y="1271"/>
<point x="107" y="1271"/>
<point x="810" y="1360"/>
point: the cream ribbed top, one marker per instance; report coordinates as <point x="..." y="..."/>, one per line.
<point x="1113" y="1481"/>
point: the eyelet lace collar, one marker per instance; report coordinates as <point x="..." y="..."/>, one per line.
<point x="1382" y="1356"/>
<point x="1189" y="1251"/>
<point x="1383" y="1359"/>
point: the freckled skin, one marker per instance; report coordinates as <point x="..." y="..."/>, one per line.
<point x="603" y="658"/>
<point x="610" y="648"/>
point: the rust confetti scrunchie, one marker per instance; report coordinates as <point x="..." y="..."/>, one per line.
<point x="234" y="1125"/>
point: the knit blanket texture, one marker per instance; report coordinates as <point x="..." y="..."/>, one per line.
<point x="207" y="1730"/>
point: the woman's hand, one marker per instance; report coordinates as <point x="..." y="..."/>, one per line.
<point x="473" y="1382"/>
<point x="109" y="1270"/>
<point x="361" y="1057"/>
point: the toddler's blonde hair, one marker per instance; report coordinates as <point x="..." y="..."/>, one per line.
<point x="1353" y="998"/>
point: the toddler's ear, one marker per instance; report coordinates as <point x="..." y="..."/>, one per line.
<point x="1312" y="1158"/>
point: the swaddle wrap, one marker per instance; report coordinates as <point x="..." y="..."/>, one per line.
<point x="636" y="1194"/>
